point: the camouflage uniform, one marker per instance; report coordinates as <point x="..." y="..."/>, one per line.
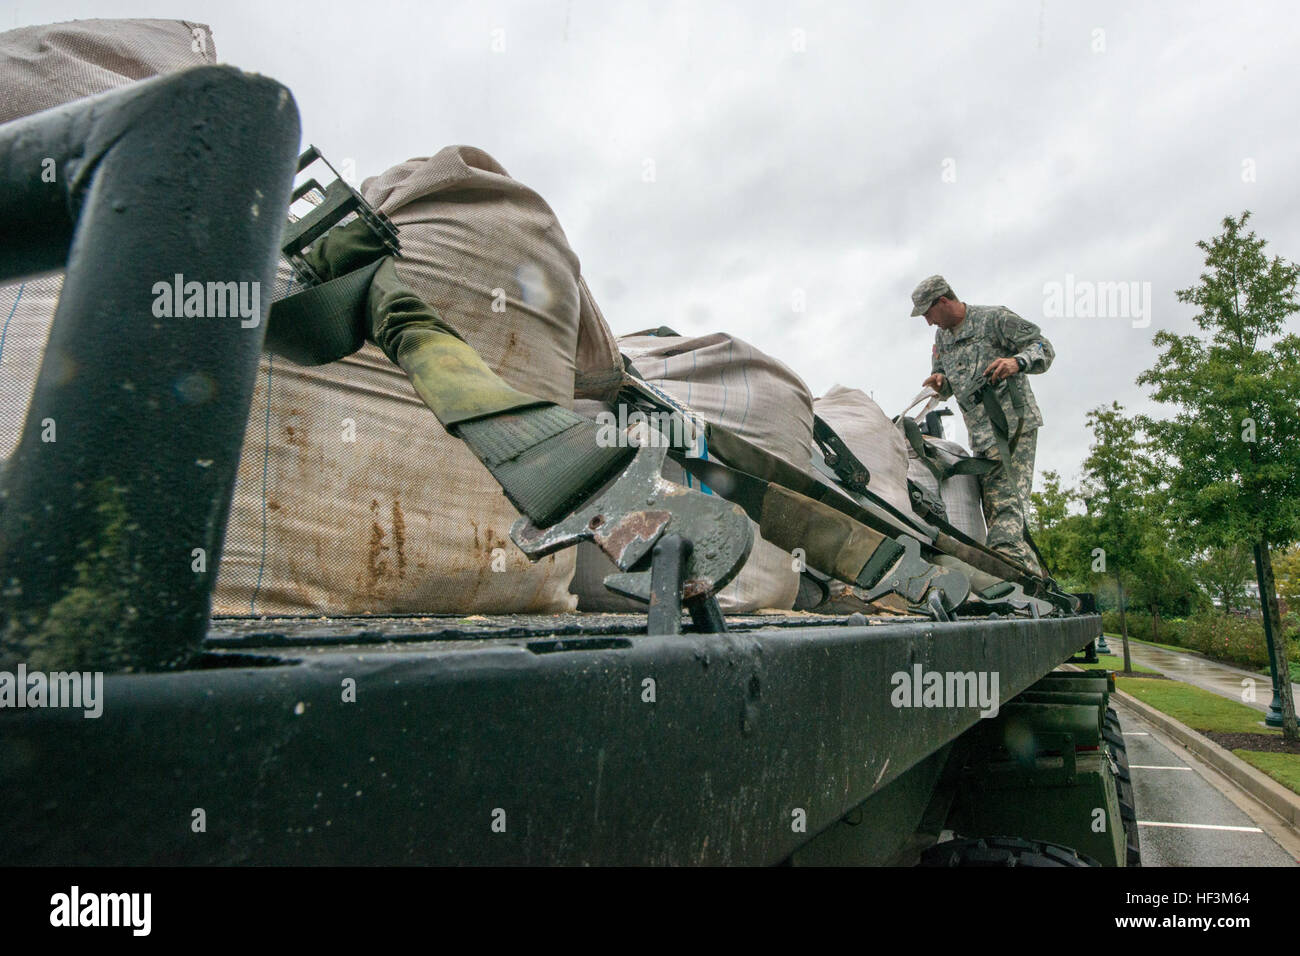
<point x="961" y="355"/>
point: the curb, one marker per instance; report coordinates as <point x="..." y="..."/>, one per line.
<point x="1254" y="782"/>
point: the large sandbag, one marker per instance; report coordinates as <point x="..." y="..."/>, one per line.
<point x="961" y="494"/>
<point x="728" y="382"/>
<point x="873" y="438"/>
<point x="598" y="366"/>
<point x="351" y="497"/>
<point x="26" y="313"/>
<point x="46" y="66"/>
<point x="52" y="64"/>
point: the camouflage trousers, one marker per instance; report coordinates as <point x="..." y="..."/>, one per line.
<point x="1006" y="496"/>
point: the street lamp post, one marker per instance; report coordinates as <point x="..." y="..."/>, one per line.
<point x="1273" y="717"/>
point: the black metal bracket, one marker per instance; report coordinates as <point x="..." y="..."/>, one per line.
<point x="852" y="473"/>
<point x="934" y="605"/>
<point x="338" y="200"/>
<point x="667" y="580"/>
<point x="1086" y="656"/>
<point x="933" y="424"/>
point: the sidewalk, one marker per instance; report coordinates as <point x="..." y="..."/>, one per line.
<point x="1190" y="668"/>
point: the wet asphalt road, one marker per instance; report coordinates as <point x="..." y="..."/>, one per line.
<point x="1186" y="812"/>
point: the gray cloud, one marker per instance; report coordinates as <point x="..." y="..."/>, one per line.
<point x="778" y="170"/>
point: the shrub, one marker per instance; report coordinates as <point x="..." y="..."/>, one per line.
<point x="1231" y="639"/>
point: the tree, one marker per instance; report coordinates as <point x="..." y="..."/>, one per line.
<point x="1049" y="507"/>
<point x="1234" y="437"/>
<point x="1287" y="568"/>
<point x="1162" y="579"/>
<point x="1115" y="489"/>
<point x="1223" y="572"/>
<point x="1048" y="511"/>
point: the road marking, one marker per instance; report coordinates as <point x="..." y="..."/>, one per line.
<point x="1135" y="733"/>
<point x="1148" y="766"/>
<point x="1199" y="826"/>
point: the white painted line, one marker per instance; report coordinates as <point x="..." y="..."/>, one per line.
<point x="1147" y="766"/>
<point x="1135" y="733"/>
<point x="1199" y="826"/>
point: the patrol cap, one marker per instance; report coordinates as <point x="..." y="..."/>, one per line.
<point x="925" y="294"/>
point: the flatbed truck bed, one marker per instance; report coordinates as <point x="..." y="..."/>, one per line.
<point x="567" y="739"/>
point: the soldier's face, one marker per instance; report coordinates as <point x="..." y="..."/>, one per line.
<point x="942" y="314"/>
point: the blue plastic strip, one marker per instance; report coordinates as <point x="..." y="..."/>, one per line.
<point x="5" y="330"/>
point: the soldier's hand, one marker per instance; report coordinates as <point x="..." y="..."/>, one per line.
<point x="935" y="382"/>
<point x="1002" y="368"/>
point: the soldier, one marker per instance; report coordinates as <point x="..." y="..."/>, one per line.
<point x="981" y="355"/>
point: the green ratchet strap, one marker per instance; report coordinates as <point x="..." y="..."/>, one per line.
<point x="821" y="532"/>
<point x="327" y="322"/>
<point x="912" y="432"/>
<point x="1033" y="546"/>
<point x="546" y="458"/>
<point x="850" y="471"/>
<point x="322" y="323"/>
<point x="445" y="370"/>
<point x="837" y="545"/>
<point x="741" y="456"/>
<point x="964" y="465"/>
<point x="998" y="419"/>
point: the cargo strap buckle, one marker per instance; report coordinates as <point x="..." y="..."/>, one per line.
<point x="674" y="546"/>
<point x="918" y="581"/>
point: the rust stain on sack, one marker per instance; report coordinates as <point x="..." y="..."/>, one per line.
<point x="512" y="343"/>
<point x="399" y="537"/>
<point x="385" y="561"/>
<point x="296" y="436"/>
<point x="376" y="563"/>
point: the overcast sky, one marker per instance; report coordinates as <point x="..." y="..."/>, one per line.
<point x="834" y="150"/>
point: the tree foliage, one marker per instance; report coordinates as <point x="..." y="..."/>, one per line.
<point x="1116" y="489"/>
<point x="1224" y="573"/>
<point x="1062" y="536"/>
<point x="1233" y="440"/>
<point x="1287" y="568"/>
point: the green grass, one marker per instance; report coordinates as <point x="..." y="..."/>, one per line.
<point x="1113" y="662"/>
<point x="1284" y="768"/>
<point x="1198" y="709"/>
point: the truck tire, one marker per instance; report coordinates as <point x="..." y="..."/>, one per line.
<point x="1002" y="851"/>
<point x="1124" y="784"/>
